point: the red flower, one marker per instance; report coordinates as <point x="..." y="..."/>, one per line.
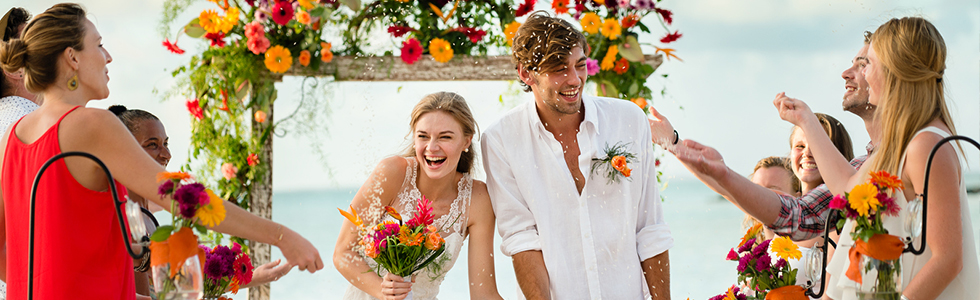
<point x="475" y="35"/>
<point x="252" y="159"/>
<point x="411" y="51"/>
<point x="217" y="39"/>
<point x="525" y="8"/>
<point x="172" y="47"/>
<point x="667" y="15"/>
<point x="194" y="107"/>
<point x="243" y="269"/>
<point x="622" y="65"/>
<point x="670" y="37"/>
<point x="560" y="6"/>
<point x="282" y="12"/>
<point x="630" y="20"/>
<point x="399" y="31"/>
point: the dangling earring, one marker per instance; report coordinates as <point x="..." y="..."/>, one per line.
<point x="73" y="83"/>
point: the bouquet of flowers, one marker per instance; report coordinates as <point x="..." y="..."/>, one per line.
<point x="175" y="258"/>
<point x="225" y="269"/>
<point x="875" y="249"/>
<point x="768" y="280"/>
<point x="405" y="247"/>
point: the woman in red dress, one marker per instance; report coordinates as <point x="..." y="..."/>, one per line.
<point x="79" y="252"/>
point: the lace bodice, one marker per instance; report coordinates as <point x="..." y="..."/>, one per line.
<point x="453" y="230"/>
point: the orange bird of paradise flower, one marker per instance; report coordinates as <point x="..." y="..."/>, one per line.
<point x="394" y="213"/>
<point x="445" y="18"/>
<point x="351" y="216"/>
<point x="668" y="52"/>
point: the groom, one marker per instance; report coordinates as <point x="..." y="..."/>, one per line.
<point x="575" y="231"/>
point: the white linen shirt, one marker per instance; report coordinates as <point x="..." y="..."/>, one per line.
<point x="592" y="243"/>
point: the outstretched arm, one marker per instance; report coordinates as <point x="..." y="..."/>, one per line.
<point x="483" y="283"/>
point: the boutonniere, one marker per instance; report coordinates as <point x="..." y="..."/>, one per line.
<point x="615" y="163"/>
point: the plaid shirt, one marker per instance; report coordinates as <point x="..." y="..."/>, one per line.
<point x="804" y="218"/>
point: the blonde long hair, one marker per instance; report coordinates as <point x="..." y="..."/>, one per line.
<point x="913" y="58"/>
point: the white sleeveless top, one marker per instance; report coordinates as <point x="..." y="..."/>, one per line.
<point x="966" y="285"/>
<point x="453" y="224"/>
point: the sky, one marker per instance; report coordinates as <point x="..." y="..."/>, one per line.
<point x="736" y="56"/>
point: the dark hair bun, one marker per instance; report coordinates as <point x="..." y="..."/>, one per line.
<point x="117" y="109"/>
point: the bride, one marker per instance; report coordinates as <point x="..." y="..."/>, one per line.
<point x="437" y="165"/>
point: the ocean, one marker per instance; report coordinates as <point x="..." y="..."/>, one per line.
<point x="704" y="226"/>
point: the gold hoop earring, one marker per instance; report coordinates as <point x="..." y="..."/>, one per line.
<point x="73" y="83"/>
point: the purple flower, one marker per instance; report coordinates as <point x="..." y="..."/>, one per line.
<point x="592" y="66"/>
<point x="888" y="205"/>
<point x="732" y="255"/>
<point x="761" y="248"/>
<point x="218" y="263"/>
<point x="743" y="263"/>
<point x="644" y="4"/>
<point x="762" y="264"/>
<point x="250" y="2"/>
<point x="166" y="187"/>
<point x="746" y="247"/>
<point x="187" y="210"/>
<point x="719" y="297"/>
<point x="780" y="263"/>
<point x="190" y="194"/>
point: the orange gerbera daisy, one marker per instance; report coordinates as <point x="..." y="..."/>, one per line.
<point x="622" y="65"/>
<point x="611" y="29"/>
<point x="510" y="31"/>
<point x="608" y="62"/>
<point x="560" y="6"/>
<point x="209" y="20"/>
<point x="278" y="59"/>
<point x="172" y="176"/>
<point x="750" y="234"/>
<point x="886" y="181"/>
<point x="441" y="50"/>
<point x="591" y="23"/>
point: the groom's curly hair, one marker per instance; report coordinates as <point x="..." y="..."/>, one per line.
<point x="544" y="43"/>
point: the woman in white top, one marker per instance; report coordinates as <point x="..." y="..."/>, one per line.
<point x="15" y="100"/>
<point x="437" y="165"/>
<point x="905" y="71"/>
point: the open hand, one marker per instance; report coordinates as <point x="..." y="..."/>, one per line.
<point x="792" y="110"/>
<point x="394" y="287"/>
<point x="661" y="129"/>
<point x="701" y="158"/>
<point x="269" y="272"/>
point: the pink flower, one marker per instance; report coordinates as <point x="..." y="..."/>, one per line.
<point x="282" y="12"/>
<point x="261" y="16"/>
<point x="254" y="30"/>
<point x="743" y="264"/>
<point x="228" y="170"/>
<point x="591" y="66"/>
<point x="252" y="159"/>
<point x="732" y="255"/>
<point x="838" y="202"/>
<point x="888" y="205"/>
<point x="258" y="45"/>
<point x="780" y="264"/>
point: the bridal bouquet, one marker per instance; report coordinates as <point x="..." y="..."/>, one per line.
<point x="175" y="258"/>
<point x="225" y="269"/>
<point x="756" y="270"/>
<point x="877" y="251"/>
<point x="405" y="247"/>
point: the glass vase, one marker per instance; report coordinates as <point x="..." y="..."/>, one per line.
<point x="187" y="284"/>
<point x="881" y="279"/>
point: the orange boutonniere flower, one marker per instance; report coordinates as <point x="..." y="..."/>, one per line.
<point x="615" y="164"/>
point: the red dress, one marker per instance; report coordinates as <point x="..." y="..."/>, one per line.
<point x="78" y="252"/>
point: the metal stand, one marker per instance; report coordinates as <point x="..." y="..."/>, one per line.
<point x="115" y="197"/>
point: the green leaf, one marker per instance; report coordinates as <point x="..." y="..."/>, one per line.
<point x="194" y="29"/>
<point x="634" y="88"/>
<point x="200" y="228"/>
<point x="162" y="233"/>
<point x="642" y="27"/>
<point x="630" y="49"/>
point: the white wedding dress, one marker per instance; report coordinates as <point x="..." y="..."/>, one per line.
<point x="453" y="227"/>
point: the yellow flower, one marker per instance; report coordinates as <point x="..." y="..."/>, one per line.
<point x="609" y="61"/>
<point x="212" y="213"/>
<point x="611" y="29"/>
<point x="591" y="22"/>
<point x="862" y="198"/>
<point x="210" y="21"/>
<point x="600" y="2"/>
<point x="230" y="20"/>
<point x="440" y="50"/>
<point x="278" y="59"/>
<point x="510" y="31"/>
<point x="785" y="248"/>
<point x="305" y="4"/>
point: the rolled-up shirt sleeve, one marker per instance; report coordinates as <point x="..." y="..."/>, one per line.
<point x="515" y="223"/>
<point x="652" y="232"/>
<point x="805" y="217"/>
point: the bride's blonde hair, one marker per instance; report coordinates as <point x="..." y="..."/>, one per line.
<point x="912" y="57"/>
